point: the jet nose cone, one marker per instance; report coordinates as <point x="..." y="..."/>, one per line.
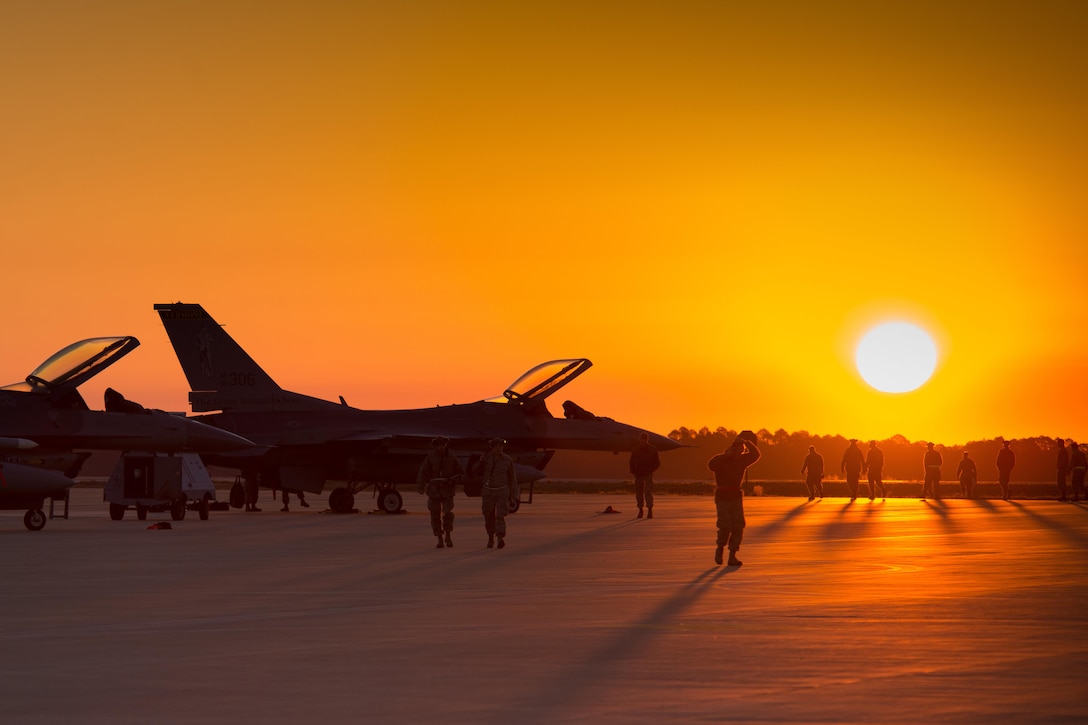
<point x="208" y="439"/>
<point x="662" y="443"/>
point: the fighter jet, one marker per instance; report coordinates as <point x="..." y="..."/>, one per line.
<point x="303" y="442"/>
<point x="27" y="487"/>
<point x="44" y="419"/>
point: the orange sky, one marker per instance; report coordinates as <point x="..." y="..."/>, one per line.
<point x="412" y="203"/>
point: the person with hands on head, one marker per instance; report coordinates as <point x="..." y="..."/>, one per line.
<point x="729" y="468"/>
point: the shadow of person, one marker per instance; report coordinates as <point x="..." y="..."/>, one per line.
<point x="570" y="688"/>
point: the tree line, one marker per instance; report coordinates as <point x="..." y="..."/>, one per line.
<point x="784" y="452"/>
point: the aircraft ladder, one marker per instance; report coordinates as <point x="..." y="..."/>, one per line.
<point x="67" y="497"/>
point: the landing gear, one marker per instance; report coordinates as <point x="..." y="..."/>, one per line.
<point x="34" y="519"/>
<point x="341" y="500"/>
<point x="390" y="500"/>
<point x="117" y="511"/>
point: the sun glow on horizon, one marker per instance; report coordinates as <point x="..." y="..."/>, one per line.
<point x="896" y="357"/>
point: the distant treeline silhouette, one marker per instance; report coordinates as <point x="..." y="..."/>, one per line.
<point x="783" y="453"/>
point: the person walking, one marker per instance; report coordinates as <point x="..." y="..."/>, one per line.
<point x="813" y="471"/>
<point x="287" y="498"/>
<point x="1006" y="461"/>
<point x="1063" y="469"/>
<point x="852" y="463"/>
<point x="500" y="486"/>
<point x="874" y="467"/>
<point x="644" y="461"/>
<point x="1078" y="465"/>
<point x="967" y="473"/>
<point x="437" y="477"/>
<point x="729" y="468"/>
<point x="932" y="462"/>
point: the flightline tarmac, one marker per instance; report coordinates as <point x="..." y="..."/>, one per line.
<point x="898" y="611"/>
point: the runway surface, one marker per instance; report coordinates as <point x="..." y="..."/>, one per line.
<point x="897" y="611"/>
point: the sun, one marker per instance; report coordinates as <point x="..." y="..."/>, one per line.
<point x="896" y="357"/>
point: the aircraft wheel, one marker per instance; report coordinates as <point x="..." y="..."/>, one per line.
<point x="141" y="512"/>
<point x="34" y="519"/>
<point x="390" y="501"/>
<point x="237" y="496"/>
<point x="177" y="509"/>
<point x="117" y="511"/>
<point x="203" y="507"/>
<point x="341" y="500"/>
<point x="513" y="506"/>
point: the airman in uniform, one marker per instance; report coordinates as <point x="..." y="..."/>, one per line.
<point x="874" y="465"/>
<point x="1006" y="461"/>
<point x="437" y="478"/>
<point x="729" y="468"/>
<point x="813" y="471"/>
<point x="932" y="462"/>
<point x="1078" y="464"/>
<point x="644" y="461"/>
<point x="967" y="472"/>
<point x="1063" y="469"/>
<point x="500" y="486"/>
<point x="852" y="462"/>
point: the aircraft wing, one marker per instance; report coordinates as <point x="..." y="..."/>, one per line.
<point x="410" y="439"/>
<point x="372" y="436"/>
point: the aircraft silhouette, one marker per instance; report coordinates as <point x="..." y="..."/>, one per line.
<point x="304" y="441"/>
<point x="27" y="487"/>
<point x="44" y="419"/>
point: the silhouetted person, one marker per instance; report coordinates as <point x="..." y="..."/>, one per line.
<point x="852" y="462"/>
<point x="729" y="468"/>
<point x="874" y="465"/>
<point x="967" y="473"/>
<point x="287" y="497"/>
<point x="1063" y="469"/>
<point x="813" y="471"/>
<point x="932" y="461"/>
<point x="500" y="486"/>
<point x="117" y="403"/>
<point x="253" y="489"/>
<point x="437" y="477"/>
<point x="1078" y="465"/>
<point x="573" y="411"/>
<point x="1006" y="461"/>
<point x="644" y="461"/>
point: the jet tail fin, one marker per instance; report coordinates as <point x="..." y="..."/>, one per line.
<point x="221" y="375"/>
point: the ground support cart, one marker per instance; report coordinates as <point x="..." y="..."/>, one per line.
<point x="159" y="482"/>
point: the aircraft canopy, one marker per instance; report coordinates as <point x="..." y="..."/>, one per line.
<point x="77" y="363"/>
<point x="543" y="380"/>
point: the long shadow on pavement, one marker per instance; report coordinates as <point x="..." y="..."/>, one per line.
<point x="768" y="531"/>
<point x="939" y="507"/>
<point x="1073" y="535"/>
<point x="569" y="689"/>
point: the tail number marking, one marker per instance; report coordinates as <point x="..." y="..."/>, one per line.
<point x="236" y="380"/>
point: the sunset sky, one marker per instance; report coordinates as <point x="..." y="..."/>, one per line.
<point x="411" y="203"/>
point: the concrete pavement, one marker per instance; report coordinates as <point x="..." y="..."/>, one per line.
<point x="896" y="611"/>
